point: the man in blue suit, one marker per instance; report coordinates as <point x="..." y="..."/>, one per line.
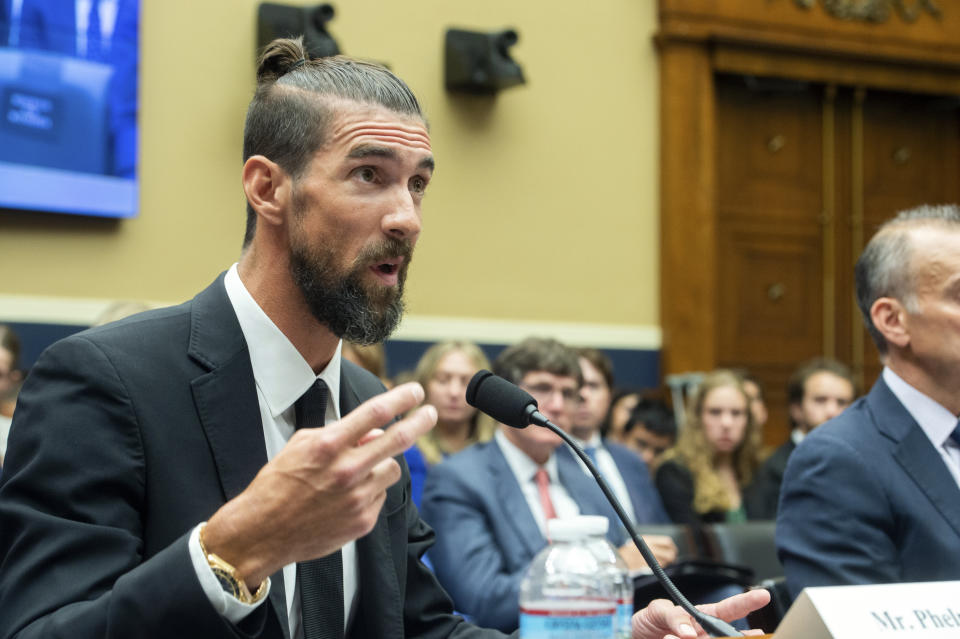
<point x="489" y="504"/>
<point x="873" y="495"/>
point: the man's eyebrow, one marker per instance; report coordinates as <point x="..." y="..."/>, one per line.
<point x="372" y="150"/>
<point x="377" y="151"/>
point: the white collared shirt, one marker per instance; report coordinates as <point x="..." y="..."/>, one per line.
<point x="934" y="419"/>
<point x="282" y="376"/>
<point x="797" y="436"/>
<point x="525" y="470"/>
<point x="608" y="468"/>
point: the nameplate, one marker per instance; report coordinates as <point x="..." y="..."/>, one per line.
<point x="927" y="610"/>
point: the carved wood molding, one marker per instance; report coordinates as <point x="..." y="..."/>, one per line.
<point x="875" y="10"/>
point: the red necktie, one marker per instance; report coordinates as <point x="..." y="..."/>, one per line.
<point x="543" y="486"/>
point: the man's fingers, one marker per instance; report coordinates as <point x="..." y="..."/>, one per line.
<point x="398" y="438"/>
<point x="660" y="618"/>
<point x="377" y="412"/>
<point x="373" y="434"/>
<point x="738" y="606"/>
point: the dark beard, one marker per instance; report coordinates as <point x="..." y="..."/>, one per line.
<point x="341" y="302"/>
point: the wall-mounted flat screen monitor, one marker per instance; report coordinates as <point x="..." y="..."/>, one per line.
<point x="68" y="106"/>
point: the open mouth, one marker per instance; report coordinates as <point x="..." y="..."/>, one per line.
<point x="389" y="270"/>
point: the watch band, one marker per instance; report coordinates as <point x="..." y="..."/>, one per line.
<point x="228" y="576"/>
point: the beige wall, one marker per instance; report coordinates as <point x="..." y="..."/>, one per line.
<point x="544" y="205"/>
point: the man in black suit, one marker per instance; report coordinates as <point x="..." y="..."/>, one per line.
<point x="167" y="475"/>
<point x="819" y="390"/>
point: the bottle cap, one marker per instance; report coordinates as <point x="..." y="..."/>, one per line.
<point x="572" y="528"/>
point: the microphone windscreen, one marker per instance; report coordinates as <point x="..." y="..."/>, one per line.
<point x="505" y="402"/>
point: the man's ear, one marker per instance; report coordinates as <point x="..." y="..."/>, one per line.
<point x="889" y="316"/>
<point x="268" y="189"/>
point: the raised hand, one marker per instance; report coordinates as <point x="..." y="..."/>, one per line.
<point x="324" y="489"/>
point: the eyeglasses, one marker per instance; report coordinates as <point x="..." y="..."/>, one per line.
<point x="544" y="391"/>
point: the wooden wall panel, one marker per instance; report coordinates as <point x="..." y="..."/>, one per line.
<point x="687" y="220"/>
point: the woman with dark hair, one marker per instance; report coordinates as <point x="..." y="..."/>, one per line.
<point x="701" y="479"/>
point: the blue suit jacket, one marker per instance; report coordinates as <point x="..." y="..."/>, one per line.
<point x="486" y="534"/>
<point x="867" y="499"/>
<point x="647" y="506"/>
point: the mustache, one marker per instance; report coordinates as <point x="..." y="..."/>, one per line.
<point x="382" y="250"/>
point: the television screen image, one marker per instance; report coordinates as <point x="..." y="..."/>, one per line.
<point x="68" y="106"/>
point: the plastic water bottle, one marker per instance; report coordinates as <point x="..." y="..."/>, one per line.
<point x="618" y="574"/>
<point x="568" y="591"/>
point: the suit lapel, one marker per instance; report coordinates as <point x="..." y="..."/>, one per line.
<point x="915" y="454"/>
<point x="227" y="405"/>
<point x="925" y="466"/>
<point x="511" y="501"/>
<point x="584" y="490"/>
<point x="630" y="473"/>
<point x="380" y="606"/>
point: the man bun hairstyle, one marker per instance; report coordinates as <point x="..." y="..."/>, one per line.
<point x="295" y="101"/>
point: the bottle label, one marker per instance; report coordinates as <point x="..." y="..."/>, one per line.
<point x="566" y="622"/>
<point x="624" y="618"/>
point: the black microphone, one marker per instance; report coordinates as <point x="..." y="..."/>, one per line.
<point x="511" y="405"/>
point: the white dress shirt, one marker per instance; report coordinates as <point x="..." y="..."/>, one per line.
<point x="608" y="468"/>
<point x="934" y="419"/>
<point x="525" y="471"/>
<point x="282" y="376"/>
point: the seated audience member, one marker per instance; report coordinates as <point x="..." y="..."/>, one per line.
<point x="701" y="479"/>
<point x="9" y="382"/>
<point x="626" y="473"/>
<point x="873" y="496"/>
<point x="489" y="504"/>
<point x="817" y="391"/>
<point x="650" y="431"/>
<point x="622" y="402"/>
<point x="444" y="371"/>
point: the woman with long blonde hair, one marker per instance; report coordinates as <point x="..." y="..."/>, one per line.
<point x="702" y="478"/>
<point x="444" y="371"/>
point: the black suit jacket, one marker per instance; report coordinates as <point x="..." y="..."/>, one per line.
<point x="126" y="436"/>
<point x="763" y="495"/>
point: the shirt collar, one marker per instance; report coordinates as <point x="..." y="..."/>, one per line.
<point x="595" y="442"/>
<point x="520" y="463"/>
<point x="935" y="420"/>
<point x="281" y="373"/>
<point x="797" y="436"/>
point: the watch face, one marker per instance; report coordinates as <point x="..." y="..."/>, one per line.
<point x="227" y="582"/>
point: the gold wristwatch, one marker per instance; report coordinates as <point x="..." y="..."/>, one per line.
<point x="228" y="577"/>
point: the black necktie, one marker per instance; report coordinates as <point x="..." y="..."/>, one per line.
<point x="955" y="435"/>
<point x="321" y="580"/>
